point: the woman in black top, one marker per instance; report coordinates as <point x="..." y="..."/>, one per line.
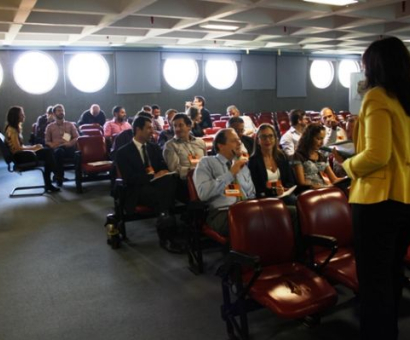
<point x="269" y="166"/>
<point x="196" y="117"/>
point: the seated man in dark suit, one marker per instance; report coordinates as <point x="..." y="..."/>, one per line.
<point x="238" y="125"/>
<point x="144" y="172"/>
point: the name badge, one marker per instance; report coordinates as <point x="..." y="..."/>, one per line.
<point x="273" y="184"/>
<point x="67" y="137"/>
<point x="233" y="190"/>
<point x="193" y="159"/>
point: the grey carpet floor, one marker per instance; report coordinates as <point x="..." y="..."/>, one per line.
<point x="59" y="279"/>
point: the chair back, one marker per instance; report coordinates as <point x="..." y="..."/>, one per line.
<point x="93" y="148"/>
<point x="7" y="155"/>
<point x="91" y="132"/>
<point x="193" y="195"/>
<point x="326" y="211"/>
<point x="90" y="126"/>
<point x="263" y="228"/>
<point x="219" y="123"/>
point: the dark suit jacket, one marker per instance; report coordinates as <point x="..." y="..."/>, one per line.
<point x="131" y="167"/>
<point x="260" y="177"/>
<point x="248" y="142"/>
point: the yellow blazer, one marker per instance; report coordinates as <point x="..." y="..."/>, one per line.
<point x="380" y="170"/>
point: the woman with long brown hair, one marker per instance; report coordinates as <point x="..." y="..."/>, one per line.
<point x="14" y="140"/>
<point x="380" y="190"/>
<point x="269" y="166"/>
<point x="310" y="164"/>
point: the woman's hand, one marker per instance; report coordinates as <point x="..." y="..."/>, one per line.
<point x="337" y="156"/>
<point x="280" y="190"/>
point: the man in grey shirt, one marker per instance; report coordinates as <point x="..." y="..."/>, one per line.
<point x="223" y="180"/>
<point x="183" y="152"/>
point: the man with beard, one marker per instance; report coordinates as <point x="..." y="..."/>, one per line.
<point x="118" y="124"/>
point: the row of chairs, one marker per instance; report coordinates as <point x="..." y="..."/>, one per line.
<point x="91" y="163"/>
<point x="270" y="264"/>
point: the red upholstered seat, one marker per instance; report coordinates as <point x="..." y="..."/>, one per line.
<point x="326" y="212"/>
<point x="212" y="130"/>
<point x="199" y="228"/>
<point x="91" y="160"/>
<point x="219" y="123"/>
<point x="263" y="251"/>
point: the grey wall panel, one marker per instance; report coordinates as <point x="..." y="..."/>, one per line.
<point x="137" y="72"/>
<point x="292" y="76"/>
<point x="258" y="72"/>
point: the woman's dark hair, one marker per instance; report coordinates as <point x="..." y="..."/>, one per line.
<point x="276" y="152"/>
<point x="387" y="64"/>
<point x="306" y="140"/>
<point x="192" y="112"/>
<point x="13" y="117"/>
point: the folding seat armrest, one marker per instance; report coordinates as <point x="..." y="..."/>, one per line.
<point x="119" y="188"/>
<point x="25" y="156"/>
<point x="313" y="240"/>
<point x="234" y="265"/>
<point x="77" y="158"/>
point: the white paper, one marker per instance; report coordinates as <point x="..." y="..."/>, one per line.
<point x="287" y="192"/>
<point x="67" y="137"/>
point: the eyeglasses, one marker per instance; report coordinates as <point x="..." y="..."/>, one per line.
<point x="265" y="137"/>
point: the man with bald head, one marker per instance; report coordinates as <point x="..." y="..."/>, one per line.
<point x="334" y="133"/>
<point x="93" y="115"/>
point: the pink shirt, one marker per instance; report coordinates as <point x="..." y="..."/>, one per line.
<point x="113" y="128"/>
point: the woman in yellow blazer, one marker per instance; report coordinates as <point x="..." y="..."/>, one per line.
<point x="380" y="190"/>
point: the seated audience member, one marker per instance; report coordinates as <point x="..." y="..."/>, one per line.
<point x="167" y="134"/>
<point x="289" y="140"/>
<point x="238" y="125"/>
<point x="250" y="128"/>
<point x="334" y="133"/>
<point x="157" y="120"/>
<point x="14" y="140"/>
<point x="195" y="114"/>
<point x="92" y="116"/>
<point x="206" y="121"/>
<point x="223" y="179"/>
<point x="140" y="162"/>
<point x="269" y="166"/>
<point x="183" y="152"/>
<point x="61" y="136"/>
<point x="41" y="124"/>
<point x="147" y="108"/>
<point x="118" y="124"/>
<point x="309" y="163"/>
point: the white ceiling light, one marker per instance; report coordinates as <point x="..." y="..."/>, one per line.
<point x="219" y="26"/>
<point x="334" y="2"/>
